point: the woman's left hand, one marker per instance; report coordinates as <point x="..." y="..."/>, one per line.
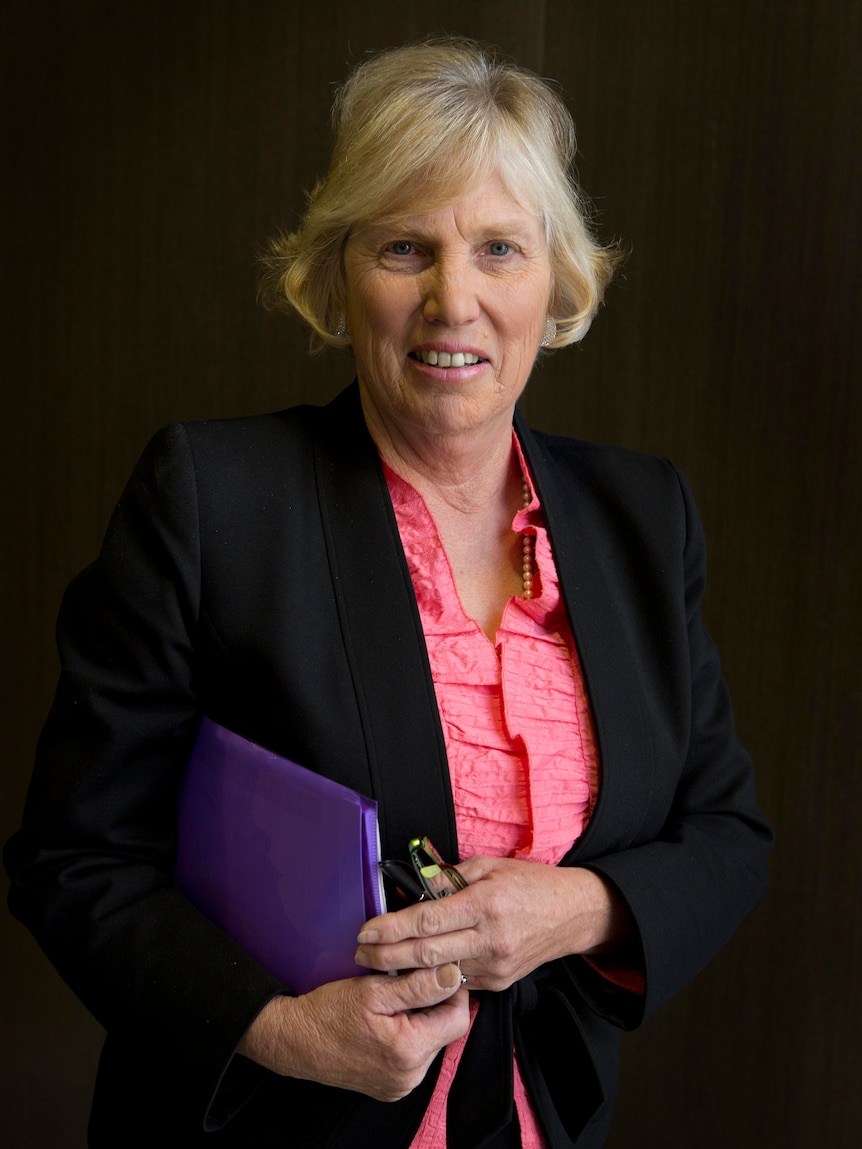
<point x="513" y="917"/>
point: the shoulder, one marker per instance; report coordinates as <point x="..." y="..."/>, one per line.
<point x="248" y="437"/>
<point x="257" y="444"/>
<point x="225" y="454"/>
<point x="588" y="458"/>
<point x="608" y="477"/>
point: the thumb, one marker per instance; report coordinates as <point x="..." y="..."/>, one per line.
<point x="421" y="988"/>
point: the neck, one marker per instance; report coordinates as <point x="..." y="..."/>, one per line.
<point x="467" y="469"/>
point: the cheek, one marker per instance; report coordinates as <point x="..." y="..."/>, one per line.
<point x="532" y="309"/>
<point x="382" y="314"/>
<point x="530" y="301"/>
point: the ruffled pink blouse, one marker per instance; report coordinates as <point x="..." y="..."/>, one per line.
<point x="517" y="726"/>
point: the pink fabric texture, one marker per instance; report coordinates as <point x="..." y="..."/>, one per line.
<point x="517" y="726"/>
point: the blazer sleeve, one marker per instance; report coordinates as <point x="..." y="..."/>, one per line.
<point x="690" y="880"/>
<point x="92" y="865"/>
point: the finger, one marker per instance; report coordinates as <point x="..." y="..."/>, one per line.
<point x="422" y="953"/>
<point x="425" y="935"/>
<point x="443" y="1023"/>
<point x="425" y="919"/>
<point x="478" y="867"/>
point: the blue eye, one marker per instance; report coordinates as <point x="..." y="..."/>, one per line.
<point x="401" y="247"/>
<point x="499" y="248"/>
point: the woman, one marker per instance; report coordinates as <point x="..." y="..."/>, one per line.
<point x="493" y="633"/>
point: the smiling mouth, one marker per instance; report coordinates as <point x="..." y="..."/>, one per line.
<point x="446" y="359"/>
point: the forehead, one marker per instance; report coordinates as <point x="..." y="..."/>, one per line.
<point x="487" y="205"/>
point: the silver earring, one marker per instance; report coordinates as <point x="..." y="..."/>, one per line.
<point x="549" y="334"/>
<point x="341" y="327"/>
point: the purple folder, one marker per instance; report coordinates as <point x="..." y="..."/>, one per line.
<point x="282" y="859"/>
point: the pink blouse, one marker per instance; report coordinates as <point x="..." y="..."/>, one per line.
<point x="517" y="726"/>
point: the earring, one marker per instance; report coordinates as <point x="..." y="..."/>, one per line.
<point x="341" y="327"/>
<point x="549" y="334"/>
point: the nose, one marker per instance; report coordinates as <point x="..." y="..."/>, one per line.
<point x="451" y="294"/>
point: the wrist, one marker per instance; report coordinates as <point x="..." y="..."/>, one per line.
<point x="602" y="922"/>
<point x="267" y="1041"/>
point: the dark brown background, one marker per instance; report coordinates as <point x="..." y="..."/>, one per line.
<point x="151" y="148"/>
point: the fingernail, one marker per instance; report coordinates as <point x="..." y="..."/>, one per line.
<point x="368" y="937"/>
<point x="448" y="976"/>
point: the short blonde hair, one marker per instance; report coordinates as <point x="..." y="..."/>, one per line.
<point x="417" y="128"/>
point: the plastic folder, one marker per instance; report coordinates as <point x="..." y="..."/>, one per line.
<point x="282" y="859"/>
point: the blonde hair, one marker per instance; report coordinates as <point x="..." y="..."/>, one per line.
<point x="418" y="128"/>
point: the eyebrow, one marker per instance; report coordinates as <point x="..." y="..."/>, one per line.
<point x="498" y="229"/>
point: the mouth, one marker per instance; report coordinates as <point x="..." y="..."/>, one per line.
<point x="446" y="358"/>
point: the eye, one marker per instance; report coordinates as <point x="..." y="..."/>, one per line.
<point x="499" y="247"/>
<point x="401" y="247"/>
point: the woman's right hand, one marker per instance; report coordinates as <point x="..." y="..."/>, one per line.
<point x="375" y="1034"/>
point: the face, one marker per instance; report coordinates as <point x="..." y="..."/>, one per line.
<point x="446" y="312"/>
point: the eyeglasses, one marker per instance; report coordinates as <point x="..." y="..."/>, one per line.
<point x="426" y="877"/>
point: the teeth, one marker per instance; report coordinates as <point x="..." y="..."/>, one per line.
<point x="445" y="359"/>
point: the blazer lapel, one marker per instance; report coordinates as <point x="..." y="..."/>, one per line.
<point x="386" y="648"/>
<point x="382" y="635"/>
<point x="608" y="663"/>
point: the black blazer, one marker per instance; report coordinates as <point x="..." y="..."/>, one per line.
<point x="253" y="572"/>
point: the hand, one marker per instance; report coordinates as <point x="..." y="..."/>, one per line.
<point x="375" y="1035"/>
<point x="513" y="917"/>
